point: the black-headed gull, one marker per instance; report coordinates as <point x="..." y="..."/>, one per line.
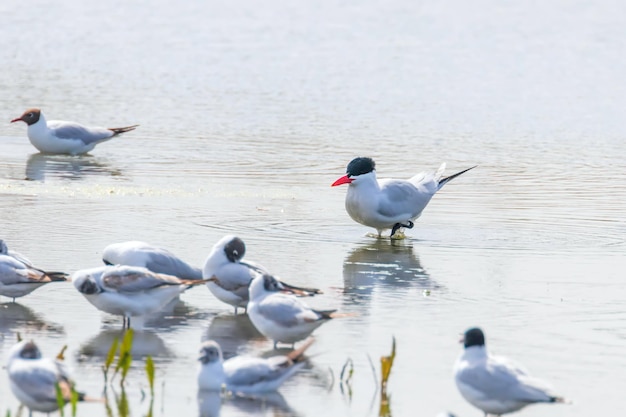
<point x="282" y="317"/>
<point x="19" y="277"/>
<point x="495" y="384"/>
<point x="229" y="277"/>
<point x="389" y="203"/>
<point x="154" y="258"/>
<point x="61" y="137"/>
<point x="246" y="374"/>
<point x="129" y="291"/>
<point x="33" y="378"/>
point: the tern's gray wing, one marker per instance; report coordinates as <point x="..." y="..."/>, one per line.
<point x="401" y="198"/>
<point x="13" y="271"/>
<point x="23" y="259"/>
<point x="71" y="130"/>
<point x="38" y="382"/>
<point x="235" y="277"/>
<point x="502" y="380"/>
<point x="165" y="262"/>
<point x="248" y="371"/>
<point x="134" y="279"/>
<point x="286" y="310"/>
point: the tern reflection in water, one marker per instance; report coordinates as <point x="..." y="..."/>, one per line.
<point x="39" y="166"/>
<point x="210" y="404"/>
<point x="233" y="333"/>
<point x="144" y="343"/>
<point x="385" y="263"/>
<point x="17" y="317"/>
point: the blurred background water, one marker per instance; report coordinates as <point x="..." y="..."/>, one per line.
<point x="249" y="111"/>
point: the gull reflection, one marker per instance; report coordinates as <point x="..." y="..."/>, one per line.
<point x="232" y="333"/>
<point x="144" y="343"/>
<point x="210" y="404"/>
<point x="385" y="262"/>
<point x="39" y="166"/>
<point x="16" y="317"/>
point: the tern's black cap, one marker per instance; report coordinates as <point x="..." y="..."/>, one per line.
<point x="360" y="165"/>
<point x="474" y="337"/>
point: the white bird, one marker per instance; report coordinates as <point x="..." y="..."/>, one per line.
<point x="129" y="291"/>
<point x="19" y="277"/>
<point x="495" y="384"/>
<point x="60" y="137"/>
<point x="229" y="277"/>
<point x="154" y="258"/>
<point x="32" y="378"/>
<point x="245" y="374"/>
<point x="389" y="203"/>
<point x="281" y="317"/>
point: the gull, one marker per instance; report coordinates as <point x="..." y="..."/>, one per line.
<point x="33" y="378"/>
<point x="495" y="384"/>
<point x="282" y="317"/>
<point x="60" y="137"/>
<point x="129" y="291"/>
<point x="389" y="203"/>
<point x="229" y="277"/>
<point x="154" y="258"/>
<point x="244" y="374"/>
<point x="19" y="277"/>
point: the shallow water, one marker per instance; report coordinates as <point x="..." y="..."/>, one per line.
<point x="248" y="112"/>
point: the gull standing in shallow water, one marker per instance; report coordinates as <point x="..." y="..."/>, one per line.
<point x="244" y="374"/>
<point x="59" y="137"/>
<point x="495" y="384"/>
<point x="389" y="203"/>
<point x="229" y="277"/>
<point x="154" y="258"/>
<point x="33" y="378"/>
<point x="129" y="291"/>
<point x="281" y="317"/>
<point x="19" y="277"/>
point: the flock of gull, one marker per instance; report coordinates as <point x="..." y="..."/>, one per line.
<point x="139" y="279"/>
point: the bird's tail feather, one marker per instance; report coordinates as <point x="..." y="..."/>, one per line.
<point x="444" y="180"/>
<point x="120" y="130"/>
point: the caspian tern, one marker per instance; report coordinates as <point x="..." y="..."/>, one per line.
<point x="282" y="317"/>
<point x="389" y="203"/>
<point x="34" y="379"/>
<point x="59" y="137"/>
<point x="154" y="258"/>
<point x="229" y="277"/>
<point x="18" y="277"/>
<point x="495" y="384"/>
<point x="245" y="374"/>
<point x="129" y="291"/>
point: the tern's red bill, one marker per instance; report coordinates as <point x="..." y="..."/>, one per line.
<point x="343" y="180"/>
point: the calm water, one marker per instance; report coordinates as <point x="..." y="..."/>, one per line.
<point x="249" y="110"/>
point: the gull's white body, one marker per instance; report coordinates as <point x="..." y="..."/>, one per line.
<point x="247" y="375"/>
<point x="129" y="291"/>
<point x="383" y="203"/>
<point x="233" y="277"/>
<point x="154" y="258"/>
<point x="496" y="385"/>
<point x="62" y="137"/>
<point x="33" y="381"/>
<point x="281" y="317"/>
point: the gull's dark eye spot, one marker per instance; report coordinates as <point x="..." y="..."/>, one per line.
<point x="30" y="115"/>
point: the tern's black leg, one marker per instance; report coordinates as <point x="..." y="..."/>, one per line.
<point x="399" y="225"/>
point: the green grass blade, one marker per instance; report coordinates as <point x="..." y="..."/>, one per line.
<point x="111" y="355"/>
<point x="74" y="402"/>
<point x="60" y="399"/>
<point x="150" y="373"/>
